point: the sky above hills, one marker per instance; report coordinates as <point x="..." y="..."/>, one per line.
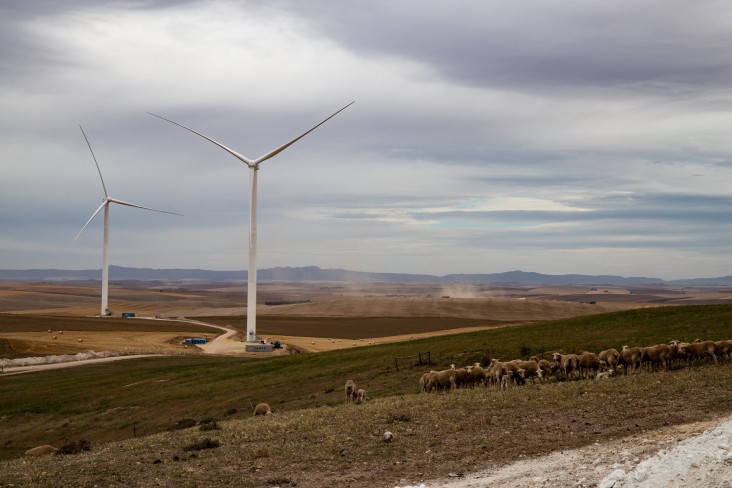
<point x="548" y="136"/>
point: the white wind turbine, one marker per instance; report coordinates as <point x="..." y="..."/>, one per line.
<point x="253" y="165"/>
<point x="105" y="205"/>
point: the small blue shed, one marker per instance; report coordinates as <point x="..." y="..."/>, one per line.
<point x="195" y="340"/>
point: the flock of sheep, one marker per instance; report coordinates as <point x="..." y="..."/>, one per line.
<point x="502" y="374"/>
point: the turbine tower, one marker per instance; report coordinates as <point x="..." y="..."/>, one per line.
<point x="104" y="311"/>
<point x="253" y="165"/>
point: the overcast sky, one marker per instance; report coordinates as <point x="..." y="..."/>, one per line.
<point x="559" y="136"/>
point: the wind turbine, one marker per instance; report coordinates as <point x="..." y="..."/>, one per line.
<point x="105" y="205"/>
<point x="253" y="165"/>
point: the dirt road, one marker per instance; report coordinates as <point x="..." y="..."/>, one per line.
<point x="697" y="454"/>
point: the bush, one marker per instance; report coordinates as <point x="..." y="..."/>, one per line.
<point x="206" y="443"/>
<point x="184" y="424"/>
<point x="75" y="447"/>
<point x="208" y="424"/>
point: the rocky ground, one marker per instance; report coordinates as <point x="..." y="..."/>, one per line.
<point x="698" y="454"/>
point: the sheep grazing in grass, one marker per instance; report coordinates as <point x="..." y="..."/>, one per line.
<point x="360" y="396"/>
<point x="589" y="364"/>
<point x="477" y="375"/>
<point x="699" y="350"/>
<point x="656" y="355"/>
<point x="610" y="356"/>
<point x="44" y="450"/>
<point x="630" y="357"/>
<point x="350" y="391"/>
<point x="445" y="379"/>
<point x="568" y="363"/>
<point x="424" y="381"/>
<point x="262" y="409"/>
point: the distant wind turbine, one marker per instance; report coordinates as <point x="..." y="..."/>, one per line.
<point x="105" y="205"/>
<point x="253" y="165"/>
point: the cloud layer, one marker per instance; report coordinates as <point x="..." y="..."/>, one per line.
<point x="558" y="137"/>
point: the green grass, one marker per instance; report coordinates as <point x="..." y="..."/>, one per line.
<point x="115" y="401"/>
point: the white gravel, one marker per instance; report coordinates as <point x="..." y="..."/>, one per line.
<point x="698" y="455"/>
<point x="704" y="460"/>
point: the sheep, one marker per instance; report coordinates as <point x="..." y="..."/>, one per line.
<point x="350" y="389"/>
<point x="424" y="381"/>
<point x="699" y="349"/>
<point x="656" y="354"/>
<point x="477" y="375"/>
<point x="463" y="376"/>
<point x="531" y="369"/>
<point x="588" y="362"/>
<point x="568" y="363"/>
<point x="443" y="379"/>
<point x="360" y="396"/>
<point x="262" y="409"/>
<point x="497" y="372"/>
<point x="548" y="368"/>
<point x="675" y="353"/>
<point x="630" y="357"/>
<point x="488" y="371"/>
<point x="605" y="375"/>
<point x="41" y="450"/>
<point x="723" y="349"/>
<point x="507" y="377"/>
<point x="610" y="356"/>
<point x="501" y="373"/>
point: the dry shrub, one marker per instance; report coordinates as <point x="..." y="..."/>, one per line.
<point x="184" y="424"/>
<point x="260" y="452"/>
<point x="398" y="417"/>
<point x="75" y="447"/>
<point x="206" y="443"/>
<point x="208" y="424"/>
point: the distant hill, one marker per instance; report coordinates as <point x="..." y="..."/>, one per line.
<point x="313" y="273"/>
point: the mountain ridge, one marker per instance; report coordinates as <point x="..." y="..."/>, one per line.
<point x="314" y="273"/>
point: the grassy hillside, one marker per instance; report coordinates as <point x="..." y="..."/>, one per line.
<point x="132" y="398"/>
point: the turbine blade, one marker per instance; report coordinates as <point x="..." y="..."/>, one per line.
<point x="240" y="157"/>
<point x="275" y="152"/>
<point x="128" y="204"/>
<point x="104" y="203"/>
<point x="104" y="187"/>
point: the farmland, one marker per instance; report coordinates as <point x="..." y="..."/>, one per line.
<point x="121" y="402"/>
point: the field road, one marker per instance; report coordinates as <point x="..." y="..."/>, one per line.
<point x="223" y="344"/>
<point x="68" y="364"/>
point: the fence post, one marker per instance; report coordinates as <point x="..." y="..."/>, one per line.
<point x="396" y="364"/>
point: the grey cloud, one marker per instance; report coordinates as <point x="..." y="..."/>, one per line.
<point x="543" y="45"/>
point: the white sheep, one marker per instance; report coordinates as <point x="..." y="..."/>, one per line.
<point x="605" y="375"/>
<point x="262" y="409"/>
<point x="350" y="391"/>
<point x="360" y="396"/>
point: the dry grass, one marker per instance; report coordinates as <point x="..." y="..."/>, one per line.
<point x="435" y="435"/>
<point x="33" y="335"/>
